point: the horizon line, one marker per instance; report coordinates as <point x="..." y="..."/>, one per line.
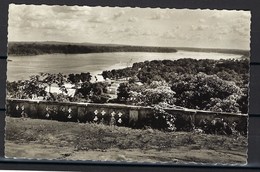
<point x="244" y="49"/>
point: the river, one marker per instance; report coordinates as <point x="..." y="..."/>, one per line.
<point x="21" y="67"/>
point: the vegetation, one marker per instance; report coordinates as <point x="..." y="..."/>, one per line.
<point x="220" y="86"/>
<point x="36" y="87"/>
<point x="196" y="84"/>
<point x="76" y="140"/>
<point x="185" y="83"/>
<point x="36" y="48"/>
<point x="148" y="71"/>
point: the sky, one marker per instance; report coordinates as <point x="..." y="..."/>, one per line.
<point x="131" y="26"/>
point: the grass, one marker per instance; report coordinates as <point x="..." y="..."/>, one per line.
<point x="85" y="140"/>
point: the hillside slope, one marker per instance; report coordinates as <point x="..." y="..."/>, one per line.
<point x="33" y="138"/>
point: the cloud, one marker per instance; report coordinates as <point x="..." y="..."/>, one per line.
<point x="114" y="29"/>
<point x="147" y="33"/>
<point x="242" y="31"/>
<point x="169" y="35"/>
<point x="55" y="25"/>
<point x="240" y="27"/>
<point x="160" y="15"/>
<point x="202" y="20"/>
<point x="93" y="26"/>
<point x="216" y="37"/>
<point x="224" y="31"/>
<point x="217" y="15"/>
<point x="25" y="14"/>
<point x="132" y="19"/>
<point x="118" y="14"/>
<point x="71" y="9"/>
<point x="245" y="15"/>
<point x="98" y="18"/>
<point x="199" y="27"/>
<point x="156" y="17"/>
<point x="71" y="12"/>
<point x="127" y="25"/>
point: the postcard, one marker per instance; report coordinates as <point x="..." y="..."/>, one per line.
<point x="127" y="85"/>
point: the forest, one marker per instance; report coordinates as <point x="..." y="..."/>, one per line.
<point x="220" y="86"/>
<point x="49" y="47"/>
<point x="37" y="48"/>
<point x="197" y="84"/>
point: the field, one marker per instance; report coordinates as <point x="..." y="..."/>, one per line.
<point x="45" y="139"/>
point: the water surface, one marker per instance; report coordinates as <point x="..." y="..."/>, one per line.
<point x="21" y="67"/>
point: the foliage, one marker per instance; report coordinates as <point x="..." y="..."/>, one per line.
<point x="148" y="71"/>
<point x="37" y="84"/>
<point x="36" y="48"/>
<point x="99" y="91"/>
<point x="26" y="89"/>
<point x="207" y="92"/>
<point x="123" y="92"/>
<point x="164" y="120"/>
<point x="199" y="84"/>
<point x="151" y="95"/>
<point x="217" y="85"/>
<point x="77" y="78"/>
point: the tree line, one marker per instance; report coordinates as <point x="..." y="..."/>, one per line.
<point x="17" y="48"/>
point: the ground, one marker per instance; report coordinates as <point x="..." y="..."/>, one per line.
<point x="45" y="139"/>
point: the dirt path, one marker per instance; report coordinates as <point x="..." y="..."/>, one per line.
<point x="184" y="154"/>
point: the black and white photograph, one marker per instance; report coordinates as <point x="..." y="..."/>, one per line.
<point x="121" y="84"/>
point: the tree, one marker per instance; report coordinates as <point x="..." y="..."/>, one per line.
<point x="34" y="87"/>
<point x="52" y="78"/>
<point x="27" y="88"/>
<point x="161" y="94"/>
<point x="227" y="105"/>
<point x="85" y="77"/>
<point x="84" y="90"/>
<point x="243" y="101"/>
<point x="123" y="92"/>
<point x="198" y="92"/>
<point x="99" y="91"/>
<point x="156" y="93"/>
<point x="13" y="89"/>
<point x="74" y="79"/>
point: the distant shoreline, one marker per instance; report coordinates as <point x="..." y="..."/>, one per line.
<point x="39" y="48"/>
<point x="33" y="48"/>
